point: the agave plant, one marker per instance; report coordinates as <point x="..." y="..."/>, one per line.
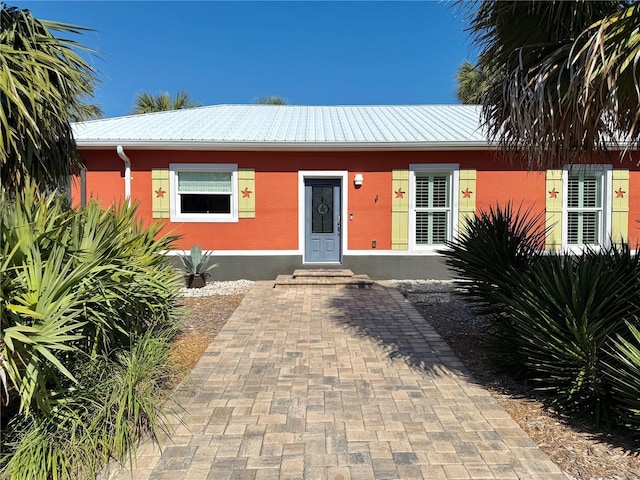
<point x="494" y="246"/>
<point x="197" y="266"/>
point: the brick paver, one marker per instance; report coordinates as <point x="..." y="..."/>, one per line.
<point x="340" y="383"/>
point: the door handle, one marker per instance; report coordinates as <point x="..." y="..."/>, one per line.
<point x="339" y="224"/>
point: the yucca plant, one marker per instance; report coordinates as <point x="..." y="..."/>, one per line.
<point x="622" y="369"/>
<point x="490" y="247"/>
<point x="564" y="312"/>
<point x="493" y="246"/>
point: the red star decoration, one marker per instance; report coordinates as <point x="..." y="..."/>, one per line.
<point x="466" y="193"/>
<point x="160" y="193"/>
<point x="553" y="193"/>
<point x="399" y="193"/>
<point x="620" y="193"/>
<point x="246" y="193"/>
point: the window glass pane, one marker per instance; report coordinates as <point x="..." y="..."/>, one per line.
<point x="192" y="203"/>
<point x="204" y="182"/>
<point x="573" y="194"/>
<point x="590" y="228"/>
<point x="422" y="192"/>
<point x="322" y="209"/>
<point x="440" y="196"/>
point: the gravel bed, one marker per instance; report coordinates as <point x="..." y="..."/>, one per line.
<point x="234" y="287"/>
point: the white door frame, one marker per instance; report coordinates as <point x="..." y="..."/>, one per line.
<point x="341" y="175"/>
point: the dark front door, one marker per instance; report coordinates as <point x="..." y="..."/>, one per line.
<point x="322" y="220"/>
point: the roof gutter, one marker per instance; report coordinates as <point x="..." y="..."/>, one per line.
<point x="282" y="146"/>
<point x="127" y="173"/>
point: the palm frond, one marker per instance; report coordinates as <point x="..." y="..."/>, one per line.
<point x="43" y="79"/>
<point x="570" y="87"/>
<point x="149" y="103"/>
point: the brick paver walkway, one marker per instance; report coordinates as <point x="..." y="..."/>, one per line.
<point x="340" y="383"/>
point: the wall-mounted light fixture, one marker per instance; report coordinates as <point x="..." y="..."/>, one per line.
<point x="358" y="179"/>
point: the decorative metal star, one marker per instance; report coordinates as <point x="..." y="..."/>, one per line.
<point x="246" y="193"/>
<point x="553" y="193"/>
<point x="400" y="193"/>
<point x="160" y="193"/>
<point x="620" y="193"/>
<point x="466" y="193"/>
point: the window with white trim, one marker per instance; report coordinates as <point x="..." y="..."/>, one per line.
<point x="432" y="206"/>
<point x="586" y="216"/>
<point x="204" y="193"/>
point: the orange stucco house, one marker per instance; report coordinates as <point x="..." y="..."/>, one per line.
<point x="377" y="189"/>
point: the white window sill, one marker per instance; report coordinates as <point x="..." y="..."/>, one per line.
<point x="204" y="219"/>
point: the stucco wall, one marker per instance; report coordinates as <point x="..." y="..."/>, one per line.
<point x="276" y="223"/>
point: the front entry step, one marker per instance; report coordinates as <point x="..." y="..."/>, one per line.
<point x="324" y="276"/>
<point x="322" y="272"/>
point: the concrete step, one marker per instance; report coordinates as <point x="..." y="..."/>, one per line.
<point x="361" y="281"/>
<point x="322" y="272"/>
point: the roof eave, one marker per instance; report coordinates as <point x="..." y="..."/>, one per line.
<point x="278" y="146"/>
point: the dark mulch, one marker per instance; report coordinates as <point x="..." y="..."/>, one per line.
<point x="202" y="318"/>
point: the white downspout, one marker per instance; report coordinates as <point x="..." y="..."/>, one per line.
<point x="127" y="173"/>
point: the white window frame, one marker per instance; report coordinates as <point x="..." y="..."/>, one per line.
<point x="605" y="216"/>
<point x="174" y="202"/>
<point x="453" y="170"/>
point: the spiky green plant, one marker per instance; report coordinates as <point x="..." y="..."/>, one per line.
<point x="564" y="309"/>
<point x="118" y="399"/>
<point x="491" y="245"/>
<point x="75" y="285"/>
<point x="198" y="263"/>
<point x="622" y="369"/>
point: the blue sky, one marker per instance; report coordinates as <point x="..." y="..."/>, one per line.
<point x="310" y="53"/>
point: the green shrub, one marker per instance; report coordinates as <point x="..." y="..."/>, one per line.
<point x="622" y="369"/>
<point x="117" y="400"/>
<point x="564" y="309"/>
<point x="75" y="283"/>
<point x="80" y="291"/>
<point x="491" y="248"/>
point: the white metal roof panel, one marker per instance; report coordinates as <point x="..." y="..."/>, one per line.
<point x="291" y="126"/>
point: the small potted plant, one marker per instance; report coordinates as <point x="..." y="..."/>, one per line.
<point x="198" y="267"/>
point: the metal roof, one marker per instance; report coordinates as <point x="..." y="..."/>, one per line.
<point x="227" y="127"/>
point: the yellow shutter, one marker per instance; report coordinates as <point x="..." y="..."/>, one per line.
<point x="160" y="192"/>
<point x="466" y="197"/>
<point x="553" y="195"/>
<point x="620" y="206"/>
<point x="400" y="210"/>
<point x="246" y="193"/>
